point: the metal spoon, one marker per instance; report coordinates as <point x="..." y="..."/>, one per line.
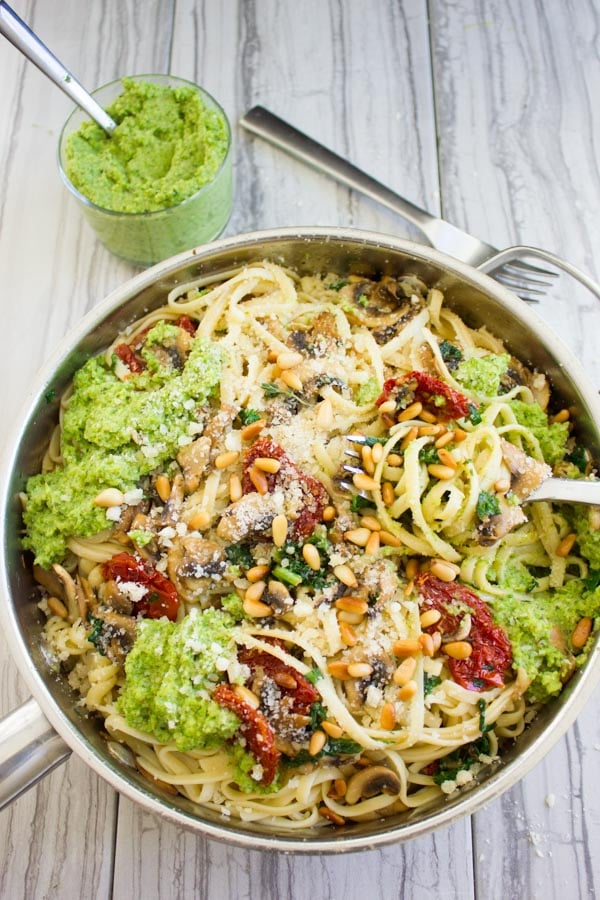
<point x="23" y="38"/>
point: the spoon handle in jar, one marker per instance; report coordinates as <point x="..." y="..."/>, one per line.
<point x="22" y="37"/>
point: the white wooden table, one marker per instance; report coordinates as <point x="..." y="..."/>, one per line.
<point x="486" y="110"/>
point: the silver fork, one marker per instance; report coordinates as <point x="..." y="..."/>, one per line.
<point x="559" y="490"/>
<point x="529" y="282"/>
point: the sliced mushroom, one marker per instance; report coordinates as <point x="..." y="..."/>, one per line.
<point x="526" y="473"/>
<point x="195" y="564"/>
<point x="371" y="782"/>
<point x="278" y="598"/>
<point x="495" y="527"/>
<point x="251" y="514"/>
<point x="194" y="459"/>
<point x="117" y="637"/>
<point x="382" y="668"/>
<point x="116" y="599"/>
<point x="320" y="339"/>
<point x="537" y="382"/>
<point x="70" y="592"/>
<point x="219" y="424"/>
<point x="380" y="582"/>
<point x="385" y="306"/>
<point x="172" y="510"/>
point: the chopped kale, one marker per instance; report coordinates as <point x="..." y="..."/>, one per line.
<point x="428" y="454"/>
<point x="318" y="714"/>
<point x="50" y="395"/>
<point x="482" y="706"/>
<point x="333" y="747"/>
<point x="358" y="503"/>
<point x="370" y="441"/>
<point x="451" y="354"/>
<point x="474" y="415"/>
<point x="271" y="391"/>
<point x="578" y="456"/>
<point x="461" y="760"/>
<point x="247" y="416"/>
<point x="593" y="579"/>
<point x="95" y="635"/>
<point x="337" y="285"/>
<point x="239" y="555"/>
<point x="430" y="682"/>
<point x="487" y="506"/>
<point x="313" y="675"/>
<point x="292" y="568"/>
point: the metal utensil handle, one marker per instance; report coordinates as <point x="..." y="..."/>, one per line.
<point x="265" y="124"/>
<point x="567" y="490"/>
<point x="29" y="749"/>
<point x="22" y="37"/>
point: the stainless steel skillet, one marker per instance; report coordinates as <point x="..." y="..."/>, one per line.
<point x="47" y="728"/>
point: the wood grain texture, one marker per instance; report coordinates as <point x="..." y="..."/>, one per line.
<point x="485" y="110"/>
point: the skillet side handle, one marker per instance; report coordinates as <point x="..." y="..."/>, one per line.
<point x="29" y="749"/>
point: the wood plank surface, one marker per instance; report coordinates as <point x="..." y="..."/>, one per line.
<point x="483" y="109"/>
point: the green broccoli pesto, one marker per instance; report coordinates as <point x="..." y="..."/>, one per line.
<point x="113" y="433"/>
<point x="552" y="437"/>
<point x="530" y="625"/>
<point x="169" y="676"/>
<point x="367" y="392"/>
<point x="482" y="375"/>
<point x="242" y="764"/>
<point x="588" y="538"/>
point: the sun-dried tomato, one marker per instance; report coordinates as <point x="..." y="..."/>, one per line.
<point x="437" y="397"/>
<point x="314" y="495"/>
<point x="491" y="656"/>
<point x="302" y="696"/>
<point x="161" y="597"/>
<point x="259" y="735"/>
<point x="127" y="356"/>
<point x="187" y="324"/>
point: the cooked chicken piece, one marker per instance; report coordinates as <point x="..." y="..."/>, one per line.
<point x="251" y="514"/>
<point x="527" y="473"/>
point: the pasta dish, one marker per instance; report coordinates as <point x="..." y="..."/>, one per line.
<point x="283" y="551"/>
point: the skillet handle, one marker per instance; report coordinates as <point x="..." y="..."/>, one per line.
<point x="29" y="749"/>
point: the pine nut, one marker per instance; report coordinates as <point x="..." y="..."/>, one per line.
<point x="387" y="720"/>
<point x="57" y="607"/>
<point x="359" y="670"/>
<point x="329" y="513"/>
<point x="332" y="729"/>
<point x="348" y="634"/>
<point x="248" y="696"/>
<point x="287" y="359"/>
<point x="411" y="412"/>
<point x="502" y="485"/>
<point x="352" y="605"/>
<point x="459" y="435"/>
<point x="291" y="380"/>
<point x="566" y="545"/>
<point x="256" y="590"/>
<point x="109" y="497"/>
<point x="279" y="530"/>
<point x="256" y="573"/>
<point x="339" y="670"/>
<point x="364" y="482"/>
<point x="371" y="523"/>
<point x="345" y="574"/>
<point x="443" y="473"/>
<point x="372" y="545"/>
<point x="563" y="416"/>
<point x="409" y="436"/>
<point x="405" y="671"/>
<point x="430" y="430"/>
<point x="223" y="460"/>
<point x="311" y="557"/>
<point x="406" y="647"/>
<point x="318" y="739"/>
<point x="444" y="439"/>
<point x="390" y="540"/>
<point x="267" y="464"/>
<point x="394" y="460"/>
<point x="458" y="649"/>
<point x="388" y="406"/>
<point x="447" y="459"/>
<point x="325" y="414"/>
<point x="259" y="480"/>
<point x="426" y="642"/>
<point x="377" y="452"/>
<point x="428" y="618"/>
<point x="256" y="609"/>
<point x="444" y="570"/>
<point x="388" y="494"/>
<point x="333" y="817"/>
<point x="235" y="488"/>
<point x="199" y="521"/>
<point x="412" y="568"/>
<point x="273" y="354"/>
<point x="581" y="632"/>
<point x="408" y="690"/>
<point x="339" y="784"/>
<point x="367" y="458"/>
<point x="285" y="680"/>
<point x="163" y="488"/>
<point x="428" y="416"/>
<point x="349" y="618"/>
<point x="437" y="641"/>
<point x="358" y="536"/>
<point x="249" y="432"/>
<point x="409" y="588"/>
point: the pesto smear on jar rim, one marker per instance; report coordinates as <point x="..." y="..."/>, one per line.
<point x="167" y="145"/>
